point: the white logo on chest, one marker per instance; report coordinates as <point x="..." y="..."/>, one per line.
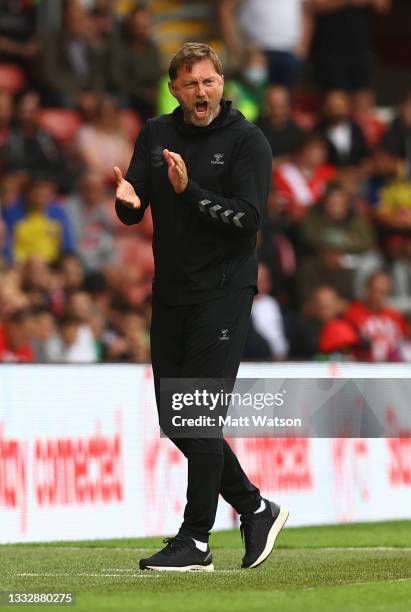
<point x="217" y="159"/>
<point x="224" y="335"/>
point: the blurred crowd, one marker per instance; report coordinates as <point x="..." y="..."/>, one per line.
<point x="78" y="78"/>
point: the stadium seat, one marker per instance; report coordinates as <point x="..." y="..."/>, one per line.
<point x="63" y="123"/>
<point x="131" y="123"/>
<point x="12" y="78"/>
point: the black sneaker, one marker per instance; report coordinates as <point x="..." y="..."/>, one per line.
<point x="180" y="555"/>
<point x="259" y="532"/>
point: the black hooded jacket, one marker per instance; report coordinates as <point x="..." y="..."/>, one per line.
<point x="204" y="239"/>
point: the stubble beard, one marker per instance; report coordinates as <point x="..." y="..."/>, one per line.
<point x="190" y="116"/>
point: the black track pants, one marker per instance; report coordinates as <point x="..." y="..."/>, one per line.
<point x="186" y="342"/>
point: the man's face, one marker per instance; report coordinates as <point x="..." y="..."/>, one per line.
<point x="139" y="24"/>
<point x="28" y="108"/>
<point x="336" y="205"/>
<point x="326" y="304"/>
<point x="378" y="292"/>
<point x="278" y="104"/>
<point x="40" y="194"/>
<point x="198" y="89"/>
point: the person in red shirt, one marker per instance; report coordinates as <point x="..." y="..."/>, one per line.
<point x="301" y="182"/>
<point x="15" y="332"/>
<point x="381" y="327"/>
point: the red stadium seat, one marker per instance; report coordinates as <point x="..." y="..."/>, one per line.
<point x="131" y="123"/>
<point x="12" y="78"/>
<point x="63" y="123"/>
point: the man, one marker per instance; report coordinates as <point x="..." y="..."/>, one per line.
<point x="37" y="224"/>
<point x="381" y="328"/>
<point x="281" y="28"/>
<point x="206" y="173"/>
<point x="342" y="49"/>
<point x="277" y="125"/>
<point x="135" y="66"/>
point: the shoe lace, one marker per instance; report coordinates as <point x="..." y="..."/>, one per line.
<point x="173" y="544"/>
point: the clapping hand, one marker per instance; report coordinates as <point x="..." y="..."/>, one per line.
<point x="125" y="191"/>
<point x="177" y="171"/>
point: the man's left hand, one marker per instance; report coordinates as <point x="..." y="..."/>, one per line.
<point x="177" y="171"/>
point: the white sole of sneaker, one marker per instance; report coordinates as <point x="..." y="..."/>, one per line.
<point x="272" y="536"/>
<point x="187" y="568"/>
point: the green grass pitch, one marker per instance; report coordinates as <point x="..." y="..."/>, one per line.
<point x="358" y="567"/>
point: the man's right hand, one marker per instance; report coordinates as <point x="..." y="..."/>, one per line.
<point x="125" y="191"/>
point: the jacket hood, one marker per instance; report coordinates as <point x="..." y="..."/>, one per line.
<point x="227" y="115"/>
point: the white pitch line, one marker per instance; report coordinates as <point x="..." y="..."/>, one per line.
<point x="354" y="548"/>
<point x="153" y="574"/>
<point x="320" y="548"/>
<point x="338" y="584"/>
<point x="139" y="575"/>
<point x="89" y="548"/>
<point x="118" y="569"/>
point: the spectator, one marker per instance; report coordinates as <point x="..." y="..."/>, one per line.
<point x="326" y="267"/>
<point x="12" y="298"/>
<point x="247" y="90"/>
<point x="405" y="345"/>
<point x="76" y="341"/>
<point x="322" y="306"/>
<point x="279" y="128"/>
<point x="72" y="271"/>
<point x="266" y="323"/>
<point x="32" y="149"/>
<point x="135" y="68"/>
<point x="37" y="225"/>
<point x="79" y="304"/>
<point x="400" y="272"/>
<point x="397" y="139"/>
<point x="15" y="336"/>
<point x="12" y="187"/>
<point x="102" y="144"/>
<point x="36" y="282"/>
<point x="97" y="287"/>
<point x="338" y="341"/>
<point x="6" y="115"/>
<point x="280" y="28"/>
<point x="136" y="338"/>
<point x="18" y="43"/>
<point x="380" y="326"/>
<point x="346" y="142"/>
<point x="3" y="242"/>
<point x="336" y="213"/>
<point x="381" y="169"/>
<point x="128" y="338"/>
<point x="92" y="225"/>
<point x="69" y="62"/>
<point x="342" y="44"/>
<point x="277" y="252"/>
<point x="389" y="193"/>
<point x="46" y="341"/>
<point x="364" y="115"/>
<point x="301" y="182"/>
<point x="98" y="325"/>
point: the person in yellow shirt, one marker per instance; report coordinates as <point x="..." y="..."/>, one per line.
<point x="38" y="225"/>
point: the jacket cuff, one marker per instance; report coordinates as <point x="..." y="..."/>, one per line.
<point x="192" y="193"/>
